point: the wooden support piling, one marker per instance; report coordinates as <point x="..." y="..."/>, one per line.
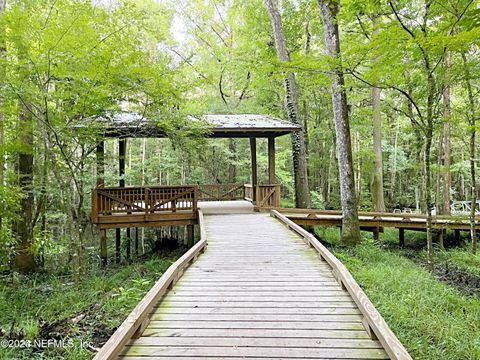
<point x="253" y="153"/>
<point x="100" y="155"/>
<point x="129" y="249"/>
<point x="271" y="160"/>
<point x="401" y="237"/>
<point x="103" y="247"/>
<point x="190" y="235"/>
<point x="121" y="182"/>
<point x="136" y="242"/>
<point x="457" y="236"/>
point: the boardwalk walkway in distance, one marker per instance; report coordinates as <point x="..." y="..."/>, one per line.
<point x="257" y="292"/>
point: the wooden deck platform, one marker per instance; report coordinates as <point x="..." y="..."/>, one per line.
<point x="259" y="291"/>
<point x="372" y="220"/>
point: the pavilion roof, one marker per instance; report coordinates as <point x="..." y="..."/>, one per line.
<point x="133" y="125"/>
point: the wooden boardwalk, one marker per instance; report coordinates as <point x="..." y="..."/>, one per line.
<point x="258" y="292"/>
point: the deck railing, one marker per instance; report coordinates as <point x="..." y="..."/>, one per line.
<point x="115" y="207"/>
<point x="221" y="192"/>
<point x="248" y="192"/>
<point x="127" y="204"/>
<point x="267" y="196"/>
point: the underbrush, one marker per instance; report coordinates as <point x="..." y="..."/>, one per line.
<point x="431" y="318"/>
<point x="82" y="312"/>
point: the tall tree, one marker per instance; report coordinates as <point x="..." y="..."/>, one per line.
<point x="23" y="227"/>
<point x="377" y="185"/>
<point x="299" y="153"/>
<point x="472" y="121"/>
<point x="350" y="224"/>
<point x="446" y="145"/>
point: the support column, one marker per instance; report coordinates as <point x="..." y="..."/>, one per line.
<point x="457" y="236"/>
<point x="100" y="154"/>
<point x="136" y="242"/>
<point x="121" y="183"/>
<point x="100" y="163"/>
<point x="401" y="237"/>
<point x="190" y="235"/>
<point x="129" y="248"/>
<point x="253" y="153"/>
<point x="271" y="161"/>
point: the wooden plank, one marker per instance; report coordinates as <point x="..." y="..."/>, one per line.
<point x="257" y="318"/>
<point x="233" y="288"/>
<point x="392" y="345"/>
<point x="259" y="342"/>
<point x="210" y="303"/>
<point x="190" y="324"/>
<point x="261" y="293"/>
<point x="163" y="309"/>
<point x="258" y="333"/>
<point x="255" y="298"/>
<point x="209" y="358"/>
<point x="310" y="353"/>
<point x="135" y="319"/>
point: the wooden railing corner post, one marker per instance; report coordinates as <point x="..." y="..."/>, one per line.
<point x="195" y="198"/>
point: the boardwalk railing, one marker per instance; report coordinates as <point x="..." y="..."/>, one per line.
<point x="378" y="219"/>
<point x="248" y="192"/>
<point x="372" y="320"/>
<point x="137" y="320"/>
<point x="221" y="192"/>
<point x="128" y="206"/>
<point x="268" y="196"/>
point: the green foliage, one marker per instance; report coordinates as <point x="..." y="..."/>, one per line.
<point x="405" y="294"/>
<point x="39" y="306"/>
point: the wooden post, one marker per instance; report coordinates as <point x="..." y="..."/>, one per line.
<point x="253" y="153"/>
<point x="401" y="237"/>
<point x="103" y="247"/>
<point x="121" y="183"/>
<point x="376" y="234"/>
<point x="457" y="236"/>
<point x="129" y="249"/>
<point x="136" y="242"/>
<point x="100" y="182"/>
<point x="271" y="160"/>
<point x="100" y="163"/>
<point x="190" y="235"/>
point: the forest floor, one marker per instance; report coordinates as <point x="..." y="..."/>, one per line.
<point x="83" y="312"/>
<point x="435" y="315"/>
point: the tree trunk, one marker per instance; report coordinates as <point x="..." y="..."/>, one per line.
<point x="23" y="226"/>
<point x="299" y="152"/>
<point x="393" y="173"/>
<point x="447" y="147"/>
<point x="377" y="185"/>
<point x="428" y="146"/>
<point x="350" y="223"/>
<point x="472" y="123"/>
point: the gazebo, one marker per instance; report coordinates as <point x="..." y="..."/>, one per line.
<point x="176" y="205"/>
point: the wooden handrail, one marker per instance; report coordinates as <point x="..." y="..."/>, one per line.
<point x="375" y="214"/>
<point x="137" y="320"/>
<point x="142" y="200"/>
<point x="373" y="320"/>
<point x="219" y="192"/>
<point x="268" y="196"/>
